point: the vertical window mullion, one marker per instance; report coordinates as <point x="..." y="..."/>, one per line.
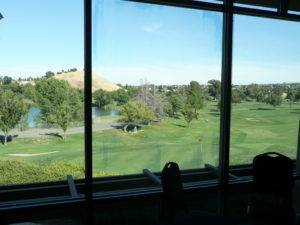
<point x="88" y="106"/>
<point x="298" y="152"/>
<point x="225" y="103"/>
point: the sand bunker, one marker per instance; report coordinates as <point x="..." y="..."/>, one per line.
<point x="26" y="155"/>
<point x="252" y="120"/>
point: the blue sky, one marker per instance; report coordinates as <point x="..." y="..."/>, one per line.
<point x="132" y="41"/>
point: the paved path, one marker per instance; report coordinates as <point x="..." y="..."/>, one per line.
<point x="58" y="132"/>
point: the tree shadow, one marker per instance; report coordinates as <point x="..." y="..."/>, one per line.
<point x="295" y="113"/>
<point x="9" y="138"/>
<point x="177" y="117"/>
<point x="180" y="125"/>
<point x="53" y="134"/>
<point x="261" y="109"/>
<point x="215" y="114"/>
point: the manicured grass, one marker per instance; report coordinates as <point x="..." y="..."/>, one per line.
<point x="256" y="128"/>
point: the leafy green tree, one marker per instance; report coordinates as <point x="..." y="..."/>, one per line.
<point x="175" y="104"/>
<point x="274" y="100"/>
<point x="63" y="117"/>
<point x="23" y="124"/>
<point x="58" y="102"/>
<point x="292" y="96"/>
<point x="49" y="74"/>
<point x="12" y="108"/>
<point x="137" y="111"/>
<point x="120" y="96"/>
<point x="7" y="80"/>
<point x="195" y="98"/>
<point x="235" y="97"/>
<point x="214" y="88"/>
<point x="189" y="114"/>
<point x="102" y="98"/>
<point x="72" y="70"/>
<point x="29" y="92"/>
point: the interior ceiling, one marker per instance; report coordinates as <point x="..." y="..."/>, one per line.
<point x="293" y="5"/>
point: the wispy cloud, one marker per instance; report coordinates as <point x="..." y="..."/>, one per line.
<point x="152" y="28"/>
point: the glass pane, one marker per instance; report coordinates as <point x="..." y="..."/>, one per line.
<point x="41" y="91"/>
<point x="266" y="88"/>
<point x="152" y="100"/>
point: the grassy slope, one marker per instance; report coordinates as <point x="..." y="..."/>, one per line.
<point x="256" y="130"/>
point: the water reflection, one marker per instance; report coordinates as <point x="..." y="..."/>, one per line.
<point x="33" y="111"/>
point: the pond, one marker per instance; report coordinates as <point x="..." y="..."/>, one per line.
<point x="95" y="112"/>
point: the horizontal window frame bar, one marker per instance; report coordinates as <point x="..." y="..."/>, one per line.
<point x="222" y="8"/>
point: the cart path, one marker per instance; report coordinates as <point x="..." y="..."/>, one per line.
<point x="58" y="132"/>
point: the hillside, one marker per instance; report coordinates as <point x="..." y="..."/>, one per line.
<point x="76" y="80"/>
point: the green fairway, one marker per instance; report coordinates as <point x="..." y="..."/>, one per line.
<point x="256" y="128"/>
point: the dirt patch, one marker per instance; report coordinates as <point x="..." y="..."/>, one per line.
<point x="35" y="154"/>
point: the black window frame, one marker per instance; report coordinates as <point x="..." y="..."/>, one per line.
<point x="90" y="187"/>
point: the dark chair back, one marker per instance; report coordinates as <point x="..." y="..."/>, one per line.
<point x="272" y="188"/>
<point x="173" y="192"/>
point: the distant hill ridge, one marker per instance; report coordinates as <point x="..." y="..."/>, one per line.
<point x="76" y="80"/>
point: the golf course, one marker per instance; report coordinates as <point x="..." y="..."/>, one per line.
<point x="255" y="128"/>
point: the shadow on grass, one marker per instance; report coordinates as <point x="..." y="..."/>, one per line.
<point x="9" y="138"/>
<point x="215" y="113"/>
<point x="295" y="113"/>
<point x="180" y="125"/>
<point x="261" y="109"/>
<point x="53" y="134"/>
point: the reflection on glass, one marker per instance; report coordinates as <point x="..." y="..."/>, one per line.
<point x="160" y="68"/>
<point x="41" y="91"/>
<point x="266" y="88"/>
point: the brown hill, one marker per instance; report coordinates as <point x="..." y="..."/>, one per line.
<point x="76" y="80"/>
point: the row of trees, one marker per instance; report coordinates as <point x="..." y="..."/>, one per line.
<point x="187" y="100"/>
<point x="58" y="102"/>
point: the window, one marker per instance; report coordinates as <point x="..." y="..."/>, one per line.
<point x="158" y="60"/>
<point x="265" y="106"/>
<point x="160" y="103"/>
<point x="41" y="91"/>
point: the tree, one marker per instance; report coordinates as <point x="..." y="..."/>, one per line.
<point x="194" y="96"/>
<point x="150" y="95"/>
<point x="235" y="97"/>
<point x="175" y="104"/>
<point x="189" y="114"/>
<point x="49" y="74"/>
<point x="63" y="117"/>
<point x="23" y="124"/>
<point x="274" y="100"/>
<point x="137" y="111"/>
<point x="120" y="96"/>
<point x="291" y="95"/>
<point x="102" y="98"/>
<point x="12" y="108"/>
<point x="7" y="80"/>
<point x="58" y="102"/>
<point x="214" y="88"/>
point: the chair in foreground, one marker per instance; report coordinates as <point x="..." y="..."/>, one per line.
<point x="174" y="203"/>
<point x="272" y="189"/>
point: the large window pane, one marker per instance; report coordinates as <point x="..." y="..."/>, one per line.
<point x="41" y="91"/>
<point x="159" y="101"/>
<point x="266" y="88"/>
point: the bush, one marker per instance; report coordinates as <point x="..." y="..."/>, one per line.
<point x="19" y="172"/>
